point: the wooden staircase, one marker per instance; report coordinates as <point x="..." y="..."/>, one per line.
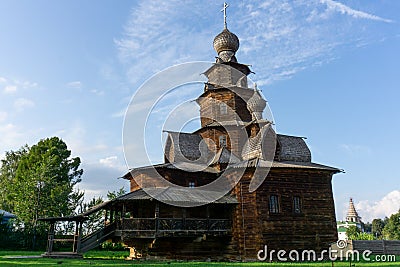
<point x="94" y="239"/>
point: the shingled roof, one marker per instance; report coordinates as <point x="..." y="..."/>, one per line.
<point x="184" y="147"/>
<point x="292" y="148"/>
<point x="259" y="163"/>
<point x="177" y="196"/>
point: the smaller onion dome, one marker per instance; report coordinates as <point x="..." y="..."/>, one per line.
<point x="226" y="41"/>
<point x="256" y="105"/>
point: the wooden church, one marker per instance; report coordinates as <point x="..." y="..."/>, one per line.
<point x="292" y="207"/>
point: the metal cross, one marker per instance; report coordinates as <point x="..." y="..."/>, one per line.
<point x="224" y="10"/>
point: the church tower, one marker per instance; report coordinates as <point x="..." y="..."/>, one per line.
<point x="227" y="103"/>
<point x="352" y="215"/>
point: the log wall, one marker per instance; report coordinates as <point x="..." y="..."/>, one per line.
<point x="313" y="228"/>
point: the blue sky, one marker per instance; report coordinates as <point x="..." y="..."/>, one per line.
<point x="329" y="70"/>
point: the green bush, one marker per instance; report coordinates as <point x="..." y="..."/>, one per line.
<point x="113" y="246"/>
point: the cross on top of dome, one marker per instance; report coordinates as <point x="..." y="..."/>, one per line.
<point x="224" y="10"/>
<point x="226" y="43"/>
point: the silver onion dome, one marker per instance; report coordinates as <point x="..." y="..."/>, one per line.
<point x="256" y="105"/>
<point x="226" y="41"/>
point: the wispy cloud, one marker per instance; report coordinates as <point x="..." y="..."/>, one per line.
<point x="162" y="33"/>
<point x="23" y="103"/>
<point x="10" y="89"/>
<point x="26" y="84"/>
<point x="353" y="149"/>
<point x="12" y="86"/>
<point x="74" y="84"/>
<point x="346" y="10"/>
<point x="97" y="92"/>
<point x="279" y="38"/>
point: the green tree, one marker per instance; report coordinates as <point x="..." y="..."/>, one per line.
<point x="117" y="193"/>
<point x="352" y="232"/>
<point x="367" y="227"/>
<point x="392" y="228"/>
<point x="8" y="169"/>
<point x="377" y="228"/>
<point x="95" y="220"/>
<point x="364" y="236"/>
<point x="43" y="184"/>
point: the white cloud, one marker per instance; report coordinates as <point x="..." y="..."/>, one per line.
<point x="388" y="205"/>
<point x="13" y="86"/>
<point x="23" y="103"/>
<point x="279" y="38"/>
<point x="113" y="162"/>
<point x="343" y="9"/>
<point x="97" y="92"/>
<point x="10" y="89"/>
<point x="12" y="137"/>
<point x="74" y="84"/>
<point x="97" y="180"/>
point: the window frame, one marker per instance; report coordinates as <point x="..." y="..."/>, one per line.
<point x="225" y="141"/>
<point x="223" y="109"/>
<point x="273" y="204"/>
<point x="297" y="205"/>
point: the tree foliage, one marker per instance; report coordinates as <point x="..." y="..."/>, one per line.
<point x="392" y="227"/>
<point x="95" y="220"/>
<point x="377" y="228"/>
<point x="8" y="169"/>
<point x="367" y="227"/>
<point x="41" y="182"/>
<point x="117" y="193"/>
<point x="354" y="233"/>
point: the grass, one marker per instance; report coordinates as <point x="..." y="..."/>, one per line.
<point x="116" y="258"/>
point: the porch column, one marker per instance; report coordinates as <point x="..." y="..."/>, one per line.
<point x="50" y="238"/>
<point x="208" y="217"/>
<point x="76" y="234"/>
<point x="106" y="217"/>
<point x="111" y="215"/>
<point x="156" y="216"/>
<point x="78" y="242"/>
<point x="183" y="218"/>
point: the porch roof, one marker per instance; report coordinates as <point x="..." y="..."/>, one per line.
<point x="177" y="196"/>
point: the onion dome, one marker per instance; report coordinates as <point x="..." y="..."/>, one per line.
<point x="226" y="41"/>
<point x="256" y="105"/>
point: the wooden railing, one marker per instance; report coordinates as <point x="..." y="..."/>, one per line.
<point x="174" y="225"/>
<point x="96" y="238"/>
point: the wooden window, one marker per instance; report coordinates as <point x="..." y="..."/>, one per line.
<point x="296" y="204"/>
<point x="273" y="204"/>
<point x="223" y="109"/>
<point x="222" y="141"/>
<point x="192" y="184"/>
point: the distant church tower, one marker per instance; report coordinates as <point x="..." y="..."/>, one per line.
<point x="352" y="215"/>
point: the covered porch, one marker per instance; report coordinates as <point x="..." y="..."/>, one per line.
<point x="138" y="220"/>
